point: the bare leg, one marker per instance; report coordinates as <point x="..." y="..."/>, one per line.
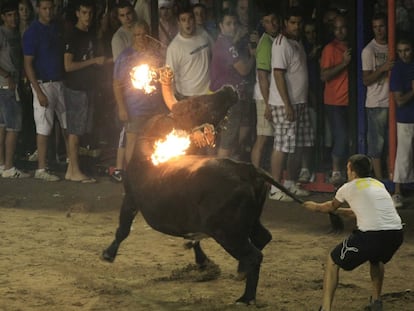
<point x="2" y="145"/>
<point x="41" y="150"/>
<point x="377" y="278"/>
<point x="330" y="282"/>
<point x="130" y="146"/>
<point x="120" y="158"/>
<point x="257" y="150"/>
<point x="376" y="164"/>
<point x="11" y="140"/>
<point x="277" y="163"/>
<point x="73" y="171"/>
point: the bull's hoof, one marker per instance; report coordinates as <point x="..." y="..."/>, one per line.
<point x="245" y="302"/>
<point x="105" y="256"/>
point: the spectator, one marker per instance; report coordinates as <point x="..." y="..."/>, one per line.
<point x="80" y="59"/>
<point x="43" y="63"/>
<point x="375" y="68"/>
<point x="10" y="106"/>
<point x="264" y="129"/>
<point x="25" y="15"/>
<point x="379" y="230"/>
<point x="188" y="55"/>
<point x="167" y="27"/>
<point x="293" y="134"/>
<point x="121" y="40"/>
<point x="402" y="88"/>
<point x="335" y="59"/>
<point x="135" y="107"/>
<point x="229" y="67"/>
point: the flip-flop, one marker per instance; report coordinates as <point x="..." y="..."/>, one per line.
<point x="88" y="180"/>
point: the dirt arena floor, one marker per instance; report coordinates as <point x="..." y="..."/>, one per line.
<point x="52" y="235"/>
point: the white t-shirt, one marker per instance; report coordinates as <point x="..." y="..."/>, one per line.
<point x="121" y="39"/>
<point x="289" y="55"/>
<point x="189" y="58"/>
<point x="371" y="203"/>
<point x="373" y="56"/>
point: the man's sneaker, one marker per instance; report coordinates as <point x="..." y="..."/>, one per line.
<point x="398" y="200"/>
<point x="117" y="175"/>
<point x="33" y="157"/>
<point x="14" y="173"/>
<point x="297" y="190"/>
<point x="337" y="179"/>
<point x="280" y="196"/>
<point x="44" y="175"/>
<point x="304" y="176"/>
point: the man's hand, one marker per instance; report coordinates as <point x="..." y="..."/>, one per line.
<point x="43" y="101"/>
<point x="166" y="75"/>
<point x="268" y="113"/>
<point x="347" y="57"/>
<point x="310" y="205"/>
<point x="205" y="136"/>
<point x="290" y="113"/>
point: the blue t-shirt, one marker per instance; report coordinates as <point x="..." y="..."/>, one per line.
<point x="402" y="75"/>
<point x="45" y="44"/>
<point x="138" y="103"/>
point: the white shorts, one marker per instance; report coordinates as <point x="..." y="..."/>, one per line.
<point x="404" y="160"/>
<point x="263" y="126"/>
<point x="44" y="116"/>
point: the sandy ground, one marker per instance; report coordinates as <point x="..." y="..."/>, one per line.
<point x="52" y="235"/>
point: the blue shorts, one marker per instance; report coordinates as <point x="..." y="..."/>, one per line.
<point x="338" y="123"/>
<point x="10" y="111"/>
<point x="78" y="112"/>
<point x="372" y="246"/>
<point x="377" y="131"/>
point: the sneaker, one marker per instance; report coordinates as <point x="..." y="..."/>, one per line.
<point x="304" y="176"/>
<point x="337" y="179"/>
<point x="398" y="200"/>
<point x="33" y="157"/>
<point x="14" y="173"/>
<point x="43" y="174"/>
<point x="297" y="190"/>
<point x="117" y="175"/>
<point x="280" y="196"/>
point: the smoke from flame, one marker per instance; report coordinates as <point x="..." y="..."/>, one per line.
<point x="175" y="144"/>
<point x="142" y="78"/>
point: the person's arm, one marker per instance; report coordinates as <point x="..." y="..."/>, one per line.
<point x="264" y="84"/>
<point x="244" y="66"/>
<point x="329" y="73"/>
<point x="71" y="65"/>
<point x="371" y="76"/>
<point x="324" y="207"/>
<point x="403" y="98"/>
<point x="119" y="99"/>
<point x="31" y="75"/>
<point x="279" y="76"/>
<point x="8" y="76"/>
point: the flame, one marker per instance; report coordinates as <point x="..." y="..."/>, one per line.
<point x="142" y="77"/>
<point x="175" y="144"/>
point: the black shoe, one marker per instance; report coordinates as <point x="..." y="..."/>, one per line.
<point x="117" y="176"/>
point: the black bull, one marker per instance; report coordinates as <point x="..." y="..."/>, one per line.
<point x="195" y="197"/>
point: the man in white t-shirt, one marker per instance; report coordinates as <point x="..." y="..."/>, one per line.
<point x="379" y="229"/>
<point x="375" y="67"/>
<point x="288" y="96"/>
<point x="189" y="56"/>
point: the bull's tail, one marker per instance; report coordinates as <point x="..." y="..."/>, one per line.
<point x="267" y="177"/>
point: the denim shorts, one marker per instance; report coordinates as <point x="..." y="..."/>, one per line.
<point x="10" y="111"/>
<point x="377" y="131"/>
<point x="78" y="112"/>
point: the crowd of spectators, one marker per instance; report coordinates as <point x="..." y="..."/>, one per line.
<point x="57" y="79"/>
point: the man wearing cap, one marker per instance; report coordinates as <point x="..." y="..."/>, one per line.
<point x="10" y="107"/>
<point x="167" y="27"/>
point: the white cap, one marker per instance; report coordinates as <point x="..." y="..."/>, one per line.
<point x="165" y="3"/>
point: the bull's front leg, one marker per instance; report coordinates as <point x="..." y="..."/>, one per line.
<point x="126" y="216"/>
